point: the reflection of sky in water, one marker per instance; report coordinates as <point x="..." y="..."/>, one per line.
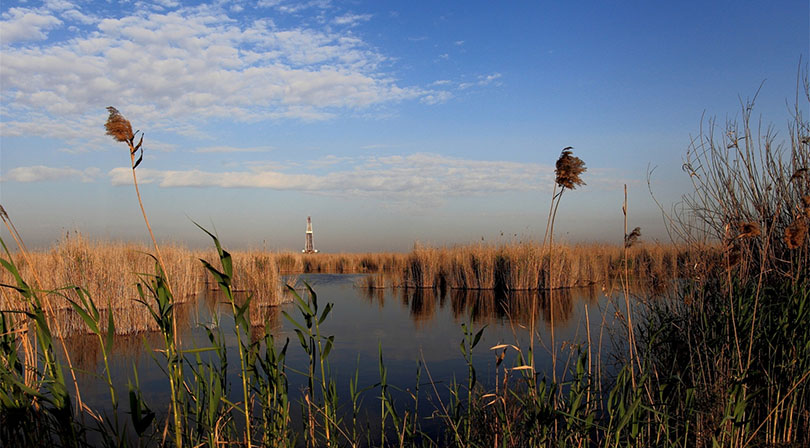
<point x="408" y="324"/>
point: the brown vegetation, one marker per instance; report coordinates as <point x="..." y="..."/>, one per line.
<point x="109" y="271"/>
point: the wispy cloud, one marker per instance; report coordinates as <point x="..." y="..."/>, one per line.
<point x="229" y="149"/>
<point x="294" y="6"/>
<point x="378" y="146"/>
<point x="41" y="173"/>
<point x="422" y="179"/>
<point x="437" y="97"/>
<point x="482" y="80"/>
<point x="351" y="19"/>
<point x="417" y="180"/>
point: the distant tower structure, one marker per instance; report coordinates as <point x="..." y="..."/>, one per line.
<point x="309" y="245"/>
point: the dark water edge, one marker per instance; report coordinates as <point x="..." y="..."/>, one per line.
<point x="416" y="330"/>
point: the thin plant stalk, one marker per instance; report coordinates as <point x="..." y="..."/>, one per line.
<point x="626" y="287"/>
<point x="32" y="353"/>
<point x="121" y="130"/>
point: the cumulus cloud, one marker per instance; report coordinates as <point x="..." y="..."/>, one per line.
<point x="420" y="178"/>
<point x="41" y="173"/>
<point x="173" y="69"/>
<point x="20" y="24"/>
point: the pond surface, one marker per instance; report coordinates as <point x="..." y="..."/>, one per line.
<point x="409" y="326"/>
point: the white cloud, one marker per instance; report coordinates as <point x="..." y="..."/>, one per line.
<point x="436" y="97"/>
<point x="483" y="80"/>
<point x="40" y="173"/>
<point x="170" y="71"/>
<point x="421" y="178"/>
<point x="294" y="6"/>
<point x="58" y="5"/>
<point x="229" y="149"/>
<point x="20" y="25"/>
<point x="77" y="16"/>
<point x="378" y="146"/>
<point x="351" y="19"/>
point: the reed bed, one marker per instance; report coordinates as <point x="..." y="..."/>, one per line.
<point x="525" y="266"/>
<point x="108" y="271"/>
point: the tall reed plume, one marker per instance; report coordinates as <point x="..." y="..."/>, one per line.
<point x="119" y="128"/>
<point x="568" y="172"/>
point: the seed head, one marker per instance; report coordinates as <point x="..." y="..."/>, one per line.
<point x="569" y="168"/>
<point x="118" y="127"/>
<point x="632" y="237"/>
<point x="795" y="233"/>
<point x="799" y="174"/>
<point x="748" y="230"/>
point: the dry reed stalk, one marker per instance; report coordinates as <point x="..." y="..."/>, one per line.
<point x="108" y="272"/>
<point x="30" y="356"/>
<point x="425" y="267"/>
<point x="631" y="341"/>
<point x="258" y="274"/>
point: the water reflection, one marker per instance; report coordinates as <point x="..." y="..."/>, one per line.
<point x="408" y="325"/>
<point x="487" y="306"/>
<point x="86" y="352"/>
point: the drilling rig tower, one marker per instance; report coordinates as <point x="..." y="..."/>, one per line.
<point x="309" y="245"/>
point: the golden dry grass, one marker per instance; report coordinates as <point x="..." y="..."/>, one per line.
<point x="110" y="270"/>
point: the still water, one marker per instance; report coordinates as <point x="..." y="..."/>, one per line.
<point x="409" y="326"/>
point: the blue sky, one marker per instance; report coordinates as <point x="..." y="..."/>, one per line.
<point x="387" y="122"/>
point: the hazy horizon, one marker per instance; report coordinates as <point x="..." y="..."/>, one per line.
<point x="387" y="123"/>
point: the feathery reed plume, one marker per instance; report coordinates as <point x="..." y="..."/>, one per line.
<point x="748" y="230"/>
<point x="795" y="233"/>
<point x="799" y="174"/>
<point x="121" y="130"/>
<point x="118" y="127"/>
<point x="632" y="237"/>
<point x="569" y="168"/>
<point x="806" y="204"/>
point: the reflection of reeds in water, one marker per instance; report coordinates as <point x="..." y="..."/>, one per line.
<point x="263" y="318"/>
<point x="422" y="304"/>
<point x="379" y="280"/>
<point x="133" y="319"/>
<point x="372" y="294"/>
<point x="109" y="270"/>
<point x="489" y="306"/>
<point x="260" y="315"/>
<point x="85" y="349"/>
